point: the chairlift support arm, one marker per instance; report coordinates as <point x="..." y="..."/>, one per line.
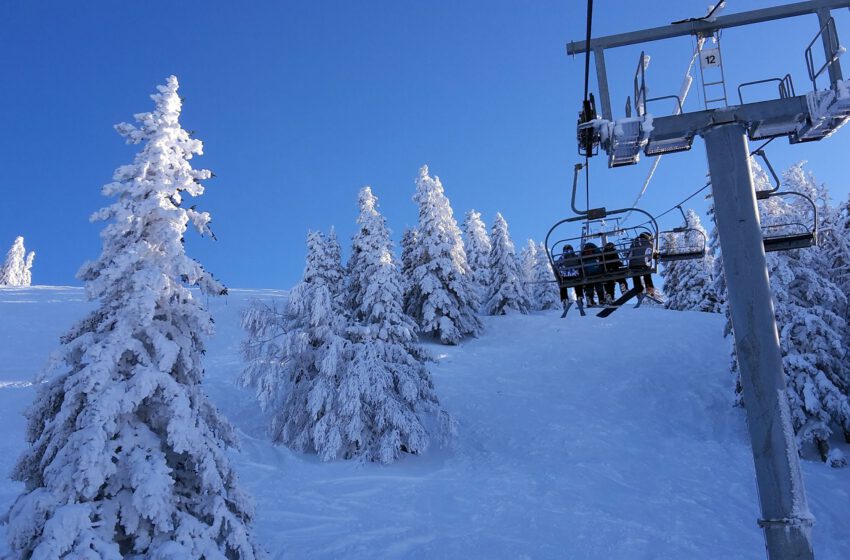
<point x="702" y="28"/>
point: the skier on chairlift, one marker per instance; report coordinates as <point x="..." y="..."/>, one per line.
<point x="613" y="264"/>
<point x="569" y="267"/>
<point x="640" y="258"/>
<point x="591" y="263"/>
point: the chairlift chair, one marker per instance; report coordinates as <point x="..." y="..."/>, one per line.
<point x="599" y="227"/>
<point x="793" y="234"/>
<point x="682" y="243"/>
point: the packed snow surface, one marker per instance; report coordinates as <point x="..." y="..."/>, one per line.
<point x="577" y="438"/>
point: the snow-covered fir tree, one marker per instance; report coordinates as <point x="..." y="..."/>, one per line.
<point x="545" y="289"/>
<point x="336" y="272"/>
<point x="382" y="397"/>
<point x="17" y="268"/>
<point x="810" y="331"/>
<point x="293" y="355"/>
<point x="834" y="241"/>
<point x="688" y="283"/>
<point x="527" y="260"/>
<point x="718" y="278"/>
<point x="441" y="299"/>
<point x="127" y="456"/>
<point x="409" y="240"/>
<point x="507" y="293"/>
<point x="476" y="242"/>
<point x="26" y="277"/>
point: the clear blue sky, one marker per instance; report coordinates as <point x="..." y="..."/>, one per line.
<point x="300" y="103"/>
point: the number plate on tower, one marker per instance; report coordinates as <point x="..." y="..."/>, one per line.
<point x="710" y="58"/>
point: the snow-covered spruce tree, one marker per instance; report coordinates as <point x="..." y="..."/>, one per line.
<point x="718" y="278"/>
<point x="527" y="260"/>
<point x="295" y="355"/>
<point x="476" y="243"/>
<point x="335" y="271"/>
<point x="17" y="268"/>
<point x="809" y="329"/>
<point x="835" y="242"/>
<point x="27" y="275"/>
<point x="441" y="300"/>
<point x="507" y="292"/>
<point x="127" y="456"/>
<point x="409" y="240"/>
<point x="688" y="283"/>
<point x="382" y="396"/>
<point x="546" y="293"/>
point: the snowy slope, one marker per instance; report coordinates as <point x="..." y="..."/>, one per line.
<point x="578" y="438"/>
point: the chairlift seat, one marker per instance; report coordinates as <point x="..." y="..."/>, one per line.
<point x="788" y="242"/>
<point x="681" y="256"/>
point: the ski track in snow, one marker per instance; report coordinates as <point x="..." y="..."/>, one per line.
<point x="577" y="438"/>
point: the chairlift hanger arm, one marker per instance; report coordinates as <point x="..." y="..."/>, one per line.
<point x="704" y="27"/>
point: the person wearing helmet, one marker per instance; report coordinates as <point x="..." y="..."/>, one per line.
<point x="591" y="264"/>
<point x="612" y="264"/>
<point x="640" y="258"/>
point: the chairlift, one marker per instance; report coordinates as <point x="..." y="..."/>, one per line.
<point x="791" y="234"/>
<point x="600" y="227"/>
<point x="682" y="243"/>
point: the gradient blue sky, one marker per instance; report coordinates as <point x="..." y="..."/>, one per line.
<point x="300" y="103"/>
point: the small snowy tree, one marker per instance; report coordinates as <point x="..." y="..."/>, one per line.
<point x="17" y="268"/>
<point x="507" y="292"/>
<point x="527" y="261"/>
<point x="127" y="456"/>
<point x="546" y="293"/>
<point x="718" y="278"/>
<point x="335" y="271"/>
<point x="409" y="241"/>
<point x="441" y="300"/>
<point x="385" y="391"/>
<point x="688" y="283"/>
<point x="293" y="355"/>
<point x="476" y="242"/>
<point x="26" y="279"/>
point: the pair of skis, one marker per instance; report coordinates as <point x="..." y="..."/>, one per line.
<point x="613" y="306"/>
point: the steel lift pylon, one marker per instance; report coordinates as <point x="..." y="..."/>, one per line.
<point x="785" y="517"/>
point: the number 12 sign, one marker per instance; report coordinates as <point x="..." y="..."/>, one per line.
<point x="710" y="58"/>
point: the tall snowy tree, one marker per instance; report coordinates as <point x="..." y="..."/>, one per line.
<point x="835" y="243"/>
<point x="476" y="242"/>
<point x="688" y="283"/>
<point x="384" y="394"/>
<point x="127" y="456"/>
<point x="507" y="292"/>
<point x="810" y="331"/>
<point x="294" y="355"/>
<point x="17" y="268"/>
<point x="442" y="300"/>
<point x="545" y="289"/>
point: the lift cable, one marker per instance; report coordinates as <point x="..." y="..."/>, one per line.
<point x="586" y="104"/>
<point x="587" y="51"/>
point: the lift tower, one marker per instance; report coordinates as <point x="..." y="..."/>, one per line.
<point x="786" y="520"/>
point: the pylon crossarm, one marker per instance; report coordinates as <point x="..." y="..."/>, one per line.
<point x="803" y="118"/>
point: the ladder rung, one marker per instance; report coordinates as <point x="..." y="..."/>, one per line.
<point x="713" y="83"/>
<point x="723" y="99"/>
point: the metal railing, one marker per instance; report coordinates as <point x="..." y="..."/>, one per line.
<point x="832" y="44"/>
